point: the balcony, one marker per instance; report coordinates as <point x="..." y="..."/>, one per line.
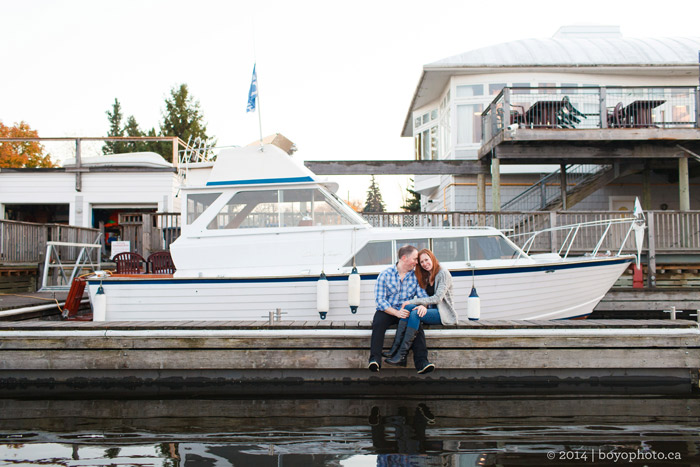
<point x="594" y="125"/>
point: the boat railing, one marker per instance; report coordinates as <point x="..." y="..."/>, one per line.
<point x="613" y="234"/>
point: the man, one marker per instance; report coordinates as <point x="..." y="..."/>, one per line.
<point x="394" y="286"/>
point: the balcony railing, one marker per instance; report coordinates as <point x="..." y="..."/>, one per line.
<point x="592" y="107"/>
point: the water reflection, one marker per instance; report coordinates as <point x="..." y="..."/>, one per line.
<point x="349" y="432"/>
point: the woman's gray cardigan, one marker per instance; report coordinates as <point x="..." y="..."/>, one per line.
<point x="442" y="297"/>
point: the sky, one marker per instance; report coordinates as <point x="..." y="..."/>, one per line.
<point x="336" y="78"/>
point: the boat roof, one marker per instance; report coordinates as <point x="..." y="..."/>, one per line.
<point x="257" y="165"/>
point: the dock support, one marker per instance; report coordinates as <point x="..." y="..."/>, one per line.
<point x="496" y="184"/>
<point x="562" y="185"/>
<point x="481" y="192"/>
<point x="651" y="253"/>
<point x="646" y="188"/>
<point x="683" y="184"/>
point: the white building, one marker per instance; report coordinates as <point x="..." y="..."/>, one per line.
<point x="444" y="115"/>
<point x="103" y="187"/>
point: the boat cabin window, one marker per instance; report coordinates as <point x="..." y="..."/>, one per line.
<point x="450" y="249"/>
<point x="491" y="247"/>
<point x="279" y="208"/>
<point x="198" y="203"/>
<point x="374" y="253"/>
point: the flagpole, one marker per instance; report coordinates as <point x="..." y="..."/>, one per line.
<point x="257" y="98"/>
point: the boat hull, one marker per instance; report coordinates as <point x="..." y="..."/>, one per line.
<point x="565" y="289"/>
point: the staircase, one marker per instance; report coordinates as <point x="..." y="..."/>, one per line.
<point x="581" y="181"/>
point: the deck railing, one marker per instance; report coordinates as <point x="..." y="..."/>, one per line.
<point x="592" y="107"/>
<point x="25" y="242"/>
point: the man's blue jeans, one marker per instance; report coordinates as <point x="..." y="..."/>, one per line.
<point x="432" y="316"/>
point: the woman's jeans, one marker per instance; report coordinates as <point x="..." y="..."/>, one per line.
<point x="431" y="317"/>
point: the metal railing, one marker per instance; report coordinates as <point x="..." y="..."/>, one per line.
<point x="591" y="107"/>
<point x="547" y="190"/>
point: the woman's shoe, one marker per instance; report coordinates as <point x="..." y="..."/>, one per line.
<point x="400" y="331"/>
<point x="400" y="357"/>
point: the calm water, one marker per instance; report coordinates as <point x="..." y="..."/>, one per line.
<point x="510" y="429"/>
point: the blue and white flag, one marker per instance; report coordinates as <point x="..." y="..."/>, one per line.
<point x="253" y="93"/>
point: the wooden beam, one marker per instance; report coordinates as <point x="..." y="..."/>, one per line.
<point x="552" y="153"/>
<point x="389" y="167"/>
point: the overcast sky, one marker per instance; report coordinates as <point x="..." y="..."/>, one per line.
<point x="335" y="78"/>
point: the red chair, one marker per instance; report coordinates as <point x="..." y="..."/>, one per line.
<point x="130" y="263"/>
<point x="161" y="263"/>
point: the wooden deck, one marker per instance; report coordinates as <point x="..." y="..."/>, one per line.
<point x="305" y="357"/>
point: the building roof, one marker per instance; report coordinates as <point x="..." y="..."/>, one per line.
<point x="581" y="46"/>
<point x="570" y="47"/>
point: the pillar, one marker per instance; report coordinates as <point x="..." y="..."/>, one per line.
<point x="481" y="192"/>
<point x="646" y="188"/>
<point x="683" y="184"/>
<point x="496" y="184"/>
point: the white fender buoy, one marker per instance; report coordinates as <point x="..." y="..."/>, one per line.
<point x="354" y="282"/>
<point x="473" y="305"/>
<point x="99" y="307"/>
<point x="322" y="296"/>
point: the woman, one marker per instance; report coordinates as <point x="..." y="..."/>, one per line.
<point x="437" y="282"/>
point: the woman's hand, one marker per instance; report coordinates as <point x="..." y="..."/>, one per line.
<point x="421" y="310"/>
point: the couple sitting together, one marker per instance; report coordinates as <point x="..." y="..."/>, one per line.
<point x="416" y="290"/>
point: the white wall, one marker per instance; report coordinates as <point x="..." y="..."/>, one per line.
<point x="132" y="189"/>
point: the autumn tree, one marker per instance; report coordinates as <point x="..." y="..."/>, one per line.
<point x="22" y="154"/>
<point x="374" y="202"/>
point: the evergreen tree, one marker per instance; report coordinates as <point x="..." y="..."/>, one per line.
<point x="182" y="117"/>
<point x="374" y="202"/>
<point x="412" y="203"/>
<point x="132" y="129"/>
<point x="115" y="129"/>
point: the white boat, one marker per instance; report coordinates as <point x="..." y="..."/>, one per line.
<point x="259" y="229"/>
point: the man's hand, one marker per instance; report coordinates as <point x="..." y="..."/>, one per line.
<point x="402" y="313"/>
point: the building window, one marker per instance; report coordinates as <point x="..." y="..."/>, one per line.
<point x="495" y="88"/>
<point x="470" y="90"/>
<point x="521" y="91"/>
<point x="469" y="123"/>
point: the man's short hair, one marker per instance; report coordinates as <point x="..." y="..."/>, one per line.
<point x="406" y="250"/>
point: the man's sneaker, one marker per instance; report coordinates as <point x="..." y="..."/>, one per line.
<point x="426" y="369"/>
<point x="373" y="366"/>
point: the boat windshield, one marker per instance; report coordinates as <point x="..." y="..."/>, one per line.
<point x="280" y="208"/>
<point x="491" y="247"/>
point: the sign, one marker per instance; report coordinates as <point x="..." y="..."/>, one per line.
<point x="120" y="247"/>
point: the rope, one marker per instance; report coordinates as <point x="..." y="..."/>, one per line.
<point x="36" y="298"/>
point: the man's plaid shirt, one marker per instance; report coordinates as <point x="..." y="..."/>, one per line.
<point x="390" y="291"/>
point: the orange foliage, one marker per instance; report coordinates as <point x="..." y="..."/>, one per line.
<point x="20" y="154"/>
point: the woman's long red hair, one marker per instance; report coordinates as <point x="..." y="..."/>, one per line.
<point x="424" y="277"/>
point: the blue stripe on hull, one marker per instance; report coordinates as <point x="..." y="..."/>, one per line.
<point x="260" y="181"/>
<point x="344" y="277"/>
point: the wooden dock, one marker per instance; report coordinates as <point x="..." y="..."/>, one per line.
<point x="307" y="357"/>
